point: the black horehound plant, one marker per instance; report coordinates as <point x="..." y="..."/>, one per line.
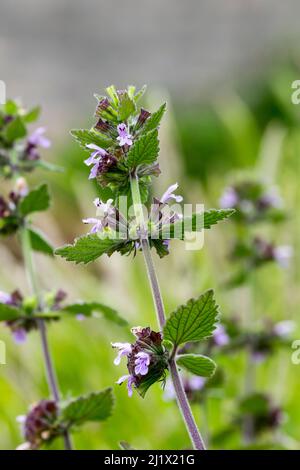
<point x="19" y="155"/>
<point x="124" y="147"/>
<point x="258" y="207"/>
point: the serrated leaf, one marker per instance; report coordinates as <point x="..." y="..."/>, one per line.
<point x="88" y="308"/>
<point x="32" y="115"/>
<point x="88" y="248"/>
<point x="112" y="93"/>
<point x="11" y="107"/>
<point x="126" y="107"/>
<point x="93" y="407"/>
<point x="197" y="364"/>
<point x="194" y="321"/>
<point x="195" y="223"/>
<point x="153" y="121"/>
<point x="39" y="242"/>
<point x="8" y="312"/>
<point x="144" y="151"/>
<point x="90" y="136"/>
<point x="140" y="93"/>
<point x="37" y="200"/>
<point x="15" y="130"/>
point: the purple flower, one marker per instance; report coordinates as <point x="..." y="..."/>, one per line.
<point x="19" y="335"/>
<point x="284" y="328"/>
<point x="124" y="137"/>
<point x="105" y="210"/>
<point x="80" y="317"/>
<point x="5" y="298"/>
<point x="258" y="356"/>
<point x="21" y="187"/>
<point x="143" y="116"/>
<point x="124" y="350"/>
<point x="196" y="383"/>
<point x="95" y="159"/>
<point x="282" y="254"/>
<point x="142" y="361"/>
<point x="220" y="336"/>
<point x="229" y="198"/>
<point x="271" y="198"/>
<point x="130" y="382"/>
<point x="97" y="227"/>
<point x="37" y="138"/>
<point x="191" y="384"/>
<point x="169" y="195"/>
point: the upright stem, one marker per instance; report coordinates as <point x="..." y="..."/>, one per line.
<point x="181" y="397"/>
<point x="32" y="280"/>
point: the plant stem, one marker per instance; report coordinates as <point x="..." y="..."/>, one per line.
<point x="181" y="397"/>
<point x="32" y="280"/>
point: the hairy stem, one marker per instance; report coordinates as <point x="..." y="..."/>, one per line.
<point x="181" y="397"/>
<point x="33" y="282"/>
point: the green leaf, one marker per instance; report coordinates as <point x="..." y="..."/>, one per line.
<point x="195" y="223"/>
<point x="88" y="248"/>
<point x="8" y="312"/>
<point x="37" y="200"/>
<point x="11" y="107"/>
<point x="197" y="364"/>
<point x="39" y="242"/>
<point x="144" y="151"/>
<point x="140" y="93"/>
<point x="153" y="121"/>
<point x="124" y="445"/>
<point x="93" y="407"/>
<point x="193" y="321"/>
<point x="32" y="115"/>
<point x="88" y="308"/>
<point x="15" y="130"/>
<point x="126" y="107"/>
<point x="112" y="93"/>
<point x="86" y="136"/>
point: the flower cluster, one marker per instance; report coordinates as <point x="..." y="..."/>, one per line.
<point x="10" y="218"/>
<point x="262" y="412"/>
<point x="40" y="425"/>
<point x="120" y="123"/>
<point x="147" y="360"/>
<point x="110" y="222"/>
<point x="19" y="149"/>
<point x="26" y="311"/>
<point x="258" y="251"/>
<point x="253" y="202"/>
<point x="261" y="343"/>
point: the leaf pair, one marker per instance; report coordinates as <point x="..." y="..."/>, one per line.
<point x="194" y="321"/>
<point x="35" y="201"/>
<point x="11" y="313"/>
<point x="90" y="247"/>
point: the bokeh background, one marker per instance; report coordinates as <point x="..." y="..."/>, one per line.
<point x="226" y="70"/>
